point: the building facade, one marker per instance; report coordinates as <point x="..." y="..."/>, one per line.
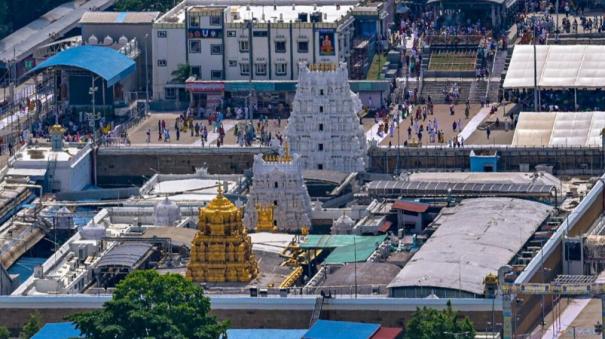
<point x="324" y="127"/>
<point x="252" y="43"/>
<point x="278" y="184"/>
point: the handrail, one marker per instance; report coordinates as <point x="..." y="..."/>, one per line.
<point x="491" y="74"/>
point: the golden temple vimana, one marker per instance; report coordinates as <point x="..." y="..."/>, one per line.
<point x="221" y="250"/>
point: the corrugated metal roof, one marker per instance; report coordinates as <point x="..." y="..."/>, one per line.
<point x="125" y="254"/>
<point x="474" y="238"/>
<point x="387" y="333"/>
<point x="410" y="206"/>
<point x="332" y="241"/>
<point x="57" y="331"/>
<point x="330" y="329"/>
<point x="256" y="333"/>
<point x="105" y="62"/>
<point x="119" y="17"/>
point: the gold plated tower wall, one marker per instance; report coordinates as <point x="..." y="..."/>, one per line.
<point x="221" y="250"/>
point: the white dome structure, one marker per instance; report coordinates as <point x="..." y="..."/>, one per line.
<point x="123" y="40"/>
<point x="343" y="225"/>
<point x="93" y="40"/>
<point x="93" y="231"/>
<point x="166" y="213"/>
<point x="108" y="40"/>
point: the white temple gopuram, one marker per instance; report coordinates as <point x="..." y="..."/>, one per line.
<point x="279" y="193"/>
<point x="324" y="128"/>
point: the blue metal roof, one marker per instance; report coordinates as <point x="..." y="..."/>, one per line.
<point x="264" y="334"/>
<point x="329" y="329"/>
<point x="58" y="331"/>
<point x="105" y="62"/>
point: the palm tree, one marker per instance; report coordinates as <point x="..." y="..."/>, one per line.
<point x="181" y="73"/>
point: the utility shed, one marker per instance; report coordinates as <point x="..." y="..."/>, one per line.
<point x="472" y="239"/>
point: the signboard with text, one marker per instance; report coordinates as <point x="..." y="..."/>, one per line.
<point x="205" y="86"/>
<point x="205" y="33"/>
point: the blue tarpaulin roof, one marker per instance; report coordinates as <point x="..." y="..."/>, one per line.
<point x="264" y="334"/>
<point x="105" y="62"/>
<point x="57" y="331"/>
<point x="329" y="329"/>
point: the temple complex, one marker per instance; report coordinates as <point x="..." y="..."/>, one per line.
<point x="221" y="250"/>
<point x="324" y="128"/>
<point x="278" y="198"/>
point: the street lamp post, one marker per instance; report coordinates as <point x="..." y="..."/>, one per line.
<point x="92" y="91"/>
<point x="536" y="108"/>
<point x="146" y="77"/>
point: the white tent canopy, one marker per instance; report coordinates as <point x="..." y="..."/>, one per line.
<point x="559" y="129"/>
<point x="559" y="66"/>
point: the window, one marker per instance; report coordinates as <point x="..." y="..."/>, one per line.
<point x="281" y="68"/>
<point x="195" y="46"/>
<point x="194" y="21"/>
<point x="275" y="185"/>
<point x="162" y="34"/>
<point x="231" y="34"/>
<point x="215" y="20"/>
<point x="274" y="202"/>
<point x="162" y="63"/>
<point x="244" y="46"/>
<point x="321" y="92"/>
<point x="170" y="93"/>
<point x="244" y="69"/>
<point x="260" y="34"/>
<point x="320" y="166"/>
<point x="321" y="109"/>
<point x="197" y="71"/>
<point x="216" y="74"/>
<point x="321" y="127"/>
<point x="303" y="47"/>
<point x="232" y="63"/>
<point x="280" y="47"/>
<point x="216" y="49"/>
<point x="260" y="69"/>
<point x="320" y="147"/>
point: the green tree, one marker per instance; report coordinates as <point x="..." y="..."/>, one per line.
<point x="147" y="304"/>
<point x="428" y="323"/>
<point x="4" y="333"/>
<point x="144" y="5"/>
<point x="32" y="326"/>
<point x="181" y="73"/>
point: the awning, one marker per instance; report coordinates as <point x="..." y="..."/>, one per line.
<point x="558" y="67"/>
<point x="410" y="206"/>
<point x="105" y="62"/>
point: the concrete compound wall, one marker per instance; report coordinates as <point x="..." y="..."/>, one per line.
<point x="246" y="312"/>
<point x="123" y="166"/>
<point x="565" y="160"/>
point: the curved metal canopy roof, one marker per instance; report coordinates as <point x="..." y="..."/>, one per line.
<point x="105" y="62"/>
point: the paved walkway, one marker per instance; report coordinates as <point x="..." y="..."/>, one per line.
<point x="472" y="125"/>
<point x="213" y="136"/>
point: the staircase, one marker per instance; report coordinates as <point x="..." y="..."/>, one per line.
<point x="319" y="303"/>
<point x="477" y="91"/>
<point x="50" y="172"/>
<point x="435" y="88"/>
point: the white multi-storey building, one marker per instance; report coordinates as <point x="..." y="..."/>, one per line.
<point x="278" y="183"/>
<point x="237" y="41"/>
<point x="324" y="127"/>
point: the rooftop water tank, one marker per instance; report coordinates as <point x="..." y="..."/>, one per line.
<point x="93" y="231"/>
